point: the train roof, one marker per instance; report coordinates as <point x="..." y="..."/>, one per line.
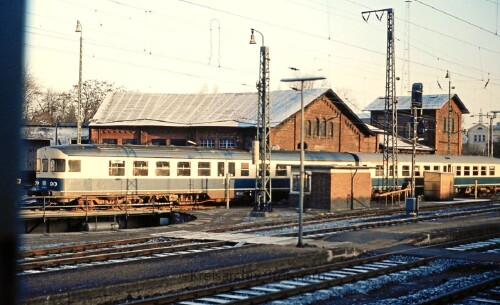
<point x="153" y="151"/>
<point x="372" y="157"/>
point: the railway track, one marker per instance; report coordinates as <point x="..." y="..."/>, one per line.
<point x="340" y="280"/>
<point x="324" y="227"/>
<point x="357" y="216"/>
<point x="57" y="259"/>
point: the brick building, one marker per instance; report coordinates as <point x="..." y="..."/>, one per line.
<point x="228" y="120"/>
<point x="436" y="118"/>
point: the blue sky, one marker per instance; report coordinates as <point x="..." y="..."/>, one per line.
<point x="191" y="46"/>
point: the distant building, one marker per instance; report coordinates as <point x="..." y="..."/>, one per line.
<point x="436" y="118"/>
<point x="229" y="120"/>
<point x="37" y="136"/>
<point x="478" y="137"/>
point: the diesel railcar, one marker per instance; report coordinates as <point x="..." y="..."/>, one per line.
<point x="107" y="174"/>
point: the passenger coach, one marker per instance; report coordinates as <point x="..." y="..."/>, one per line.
<point x="108" y="174"/>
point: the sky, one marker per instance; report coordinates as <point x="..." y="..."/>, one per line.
<point x="195" y="46"/>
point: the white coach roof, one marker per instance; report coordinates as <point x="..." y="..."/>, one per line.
<point x="218" y="109"/>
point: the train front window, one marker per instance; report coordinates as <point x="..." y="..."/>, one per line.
<point x="74" y="166"/>
<point x="162" y="168"/>
<point x="45" y="165"/>
<point x="183" y="169"/>
<point x="116" y="168"/>
<point x="57" y="165"/>
<point x="203" y="168"/>
<point x="140" y="168"/>
<point x="38" y="165"/>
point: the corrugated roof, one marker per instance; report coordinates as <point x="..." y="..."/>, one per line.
<point x="436" y="101"/>
<point x="218" y="109"/>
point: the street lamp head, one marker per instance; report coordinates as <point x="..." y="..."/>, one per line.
<point x="302" y="79"/>
<point x="252" y="38"/>
<point x="78" y="27"/>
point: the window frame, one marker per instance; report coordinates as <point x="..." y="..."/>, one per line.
<point x="116" y="171"/>
<point x="182" y="170"/>
<point x="162" y="169"/>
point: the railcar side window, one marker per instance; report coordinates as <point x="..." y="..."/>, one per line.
<point x="466" y="170"/>
<point x="231" y="168"/>
<point x="379" y="170"/>
<point x="417" y="171"/>
<point x="116" y="168"/>
<point x="492" y="171"/>
<point x="391" y="170"/>
<point x="140" y="168"/>
<point x="45" y="165"/>
<point x="281" y="170"/>
<point x="406" y="170"/>
<point x="162" y="168"/>
<point x="183" y="169"/>
<point x="57" y="165"/>
<point x="75" y="166"/>
<point x="475" y="171"/>
<point x="220" y="169"/>
<point x="459" y="171"/>
<point x="483" y="170"/>
<point x="245" y="169"/>
<point x="436" y="168"/>
<point x="38" y="165"/>
<point x="427" y="167"/>
<point x="203" y="168"/>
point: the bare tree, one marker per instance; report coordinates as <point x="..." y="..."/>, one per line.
<point x="32" y="96"/>
<point x="93" y="93"/>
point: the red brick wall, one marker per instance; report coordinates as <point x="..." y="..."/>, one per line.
<point x="346" y="135"/>
<point x="144" y="135"/>
<point x="442" y="134"/>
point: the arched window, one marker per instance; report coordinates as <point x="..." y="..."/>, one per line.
<point x="330" y="129"/>
<point x="308" y="128"/>
<point x="323" y="128"/>
<point x="316" y="128"/>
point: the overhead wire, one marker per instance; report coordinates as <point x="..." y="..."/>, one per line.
<point x="295" y="30"/>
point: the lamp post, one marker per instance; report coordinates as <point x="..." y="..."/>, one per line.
<point x="302" y="167"/>
<point x="263" y="185"/>
<point x="78" y="117"/>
